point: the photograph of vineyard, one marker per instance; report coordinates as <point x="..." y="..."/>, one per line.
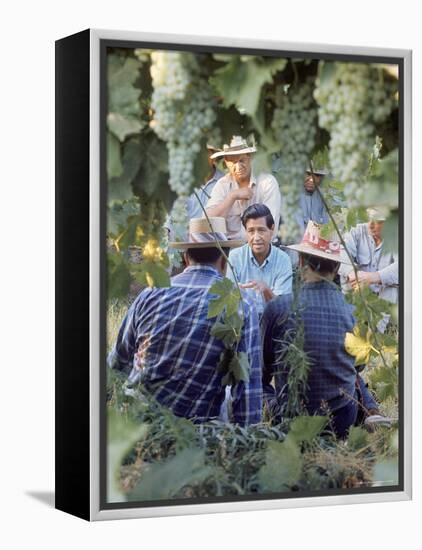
<point x="163" y="107"/>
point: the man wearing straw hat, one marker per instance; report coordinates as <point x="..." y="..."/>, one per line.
<point x="165" y="340"/>
<point x="240" y="188"/>
<point x="375" y="267"/>
<point x="332" y="385"/>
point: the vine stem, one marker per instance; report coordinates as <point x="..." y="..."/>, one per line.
<point x="367" y="309"/>
<point x="227" y="260"/>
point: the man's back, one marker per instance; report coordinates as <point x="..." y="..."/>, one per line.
<point x="167" y="333"/>
<point x="326" y="318"/>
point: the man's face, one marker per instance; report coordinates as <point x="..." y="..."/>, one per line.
<point x="375" y="229"/>
<point x="239" y="166"/>
<point x="311" y="181"/>
<point x="259" y="235"/>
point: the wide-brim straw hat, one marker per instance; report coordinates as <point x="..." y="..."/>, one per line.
<point x="317" y="171"/>
<point x="377" y="213"/>
<point x="313" y="244"/>
<point x="238" y="146"/>
<point x="201" y="235"/>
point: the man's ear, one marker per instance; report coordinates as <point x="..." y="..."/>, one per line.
<point x="186" y="258"/>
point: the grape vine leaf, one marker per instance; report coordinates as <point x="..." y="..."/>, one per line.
<point x="357" y="346"/>
<point x="239" y="367"/>
<point x="122" y="436"/>
<point x="123" y="96"/>
<point x="152" y="274"/>
<point x="123" y="126"/>
<point x="119" y="278"/>
<point x="306" y="428"/>
<point x="384" y="380"/>
<point x="239" y="82"/>
<point x="167" y="479"/>
<point x="227" y="297"/>
<point x="114" y="162"/>
<point x="283" y="466"/>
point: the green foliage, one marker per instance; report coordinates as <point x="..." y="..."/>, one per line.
<point x="119" y="278"/>
<point x="283" y="466"/>
<point x="166" y="479"/>
<point x="228" y="299"/>
<point x="384" y="381"/>
<point x="122" y="435"/>
<point x="114" y="163"/>
<point x="151" y="274"/>
<point x="358" y="438"/>
<point x="304" y="429"/>
<point x="240" y="81"/>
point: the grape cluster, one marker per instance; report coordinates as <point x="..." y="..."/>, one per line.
<point x="183" y="112"/>
<point x="294" y="126"/>
<point x="351" y="102"/>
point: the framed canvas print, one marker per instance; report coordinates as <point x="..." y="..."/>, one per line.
<point x="233" y="281"/>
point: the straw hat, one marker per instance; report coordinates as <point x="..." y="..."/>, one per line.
<point x="202" y="236"/>
<point x="313" y="244"/>
<point x="317" y="171"/>
<point x="238" y="146"/>
<point x="377" y="213"/>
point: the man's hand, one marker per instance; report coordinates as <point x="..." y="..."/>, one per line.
<point x="364" y="278"/>
<point x="242" y="194"/>
<point x="261" y="287"/>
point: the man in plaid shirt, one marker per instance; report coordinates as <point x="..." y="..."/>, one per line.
<point x="333" y="385"/>
<point x="165" y="342"/>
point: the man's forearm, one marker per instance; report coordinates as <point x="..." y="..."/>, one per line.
<point x="223" y="208"/>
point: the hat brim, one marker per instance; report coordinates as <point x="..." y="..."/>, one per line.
<point x="216" y="244"/>
<point x="244" y="151"/>
<point x="317" y="172"/>
<point x="341" y="258"/>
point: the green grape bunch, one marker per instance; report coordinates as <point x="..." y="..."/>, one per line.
<point x="182" y="103"/>
<point x="295" y="126"/>
<point x="351" y="102"/>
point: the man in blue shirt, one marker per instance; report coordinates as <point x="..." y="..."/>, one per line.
<point x="311" y="205"/>
<point x="204" y="192"/>
<point x="165" y="340"/>
<point x="332" y="384"/>
<point x="258" y="265"/>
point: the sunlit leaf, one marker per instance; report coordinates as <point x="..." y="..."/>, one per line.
<point x="358" y="346"/>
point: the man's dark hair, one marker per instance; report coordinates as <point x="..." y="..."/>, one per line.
<point x="320" y="265"/>
<point x="255" y="211"/>
<point x="205" y="255"/>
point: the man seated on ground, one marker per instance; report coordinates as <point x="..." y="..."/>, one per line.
<point x="333" y="384"/>
<point x="264" y="269"/>
<point x="311" y="205"/>
<point x="165" y="340"/>
<point x="375" y="267"/>
<point x="240" y="188"/>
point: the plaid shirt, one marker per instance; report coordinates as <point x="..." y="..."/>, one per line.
<point x="326" y="318"/>
<point x="165" y="343"/>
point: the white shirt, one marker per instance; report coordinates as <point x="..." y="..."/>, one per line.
<point x="265" y="191"/>
<point x="370" y="257"/>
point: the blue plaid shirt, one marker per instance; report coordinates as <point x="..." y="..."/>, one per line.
<point x="326" y="317"/>
<point x="165" y="343"/>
